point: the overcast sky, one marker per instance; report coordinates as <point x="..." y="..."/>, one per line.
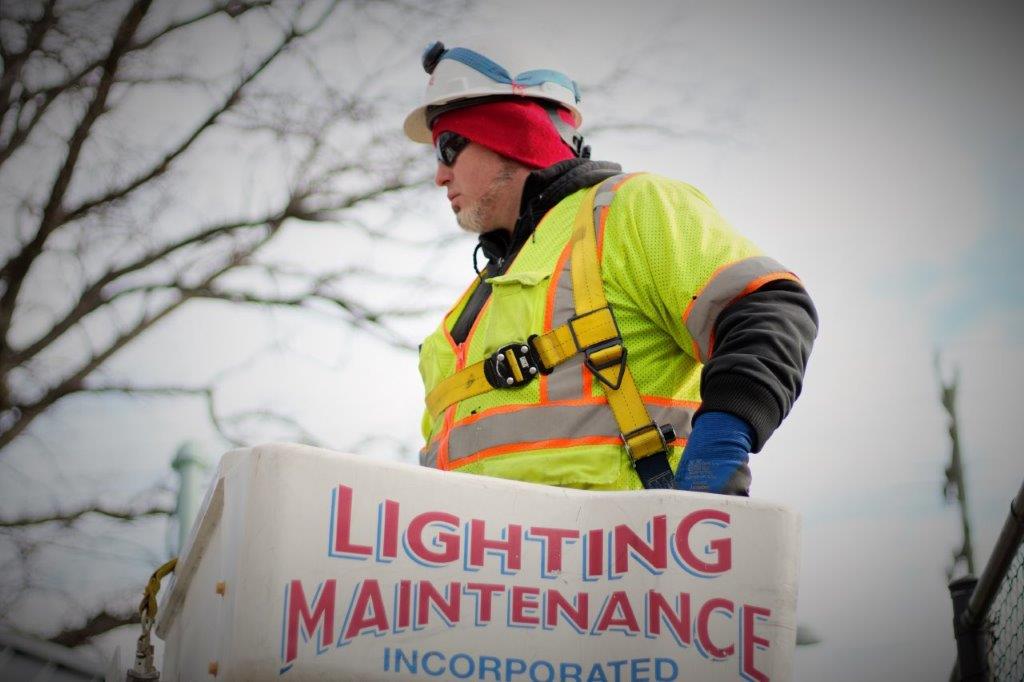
<point x="878" y="151"/>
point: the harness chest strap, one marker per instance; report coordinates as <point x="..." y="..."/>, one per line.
<point x="593" y="332"/>
<point x="515" y="361"/>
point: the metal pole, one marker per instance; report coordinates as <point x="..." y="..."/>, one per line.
<point x="999" y="562"/>
<point x="190" y="467"/>
<point x="970" y="662"/>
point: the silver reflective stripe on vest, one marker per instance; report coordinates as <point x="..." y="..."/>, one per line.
<point x="551" y="422"/>
<point x="565" y="304"/>
<point x="728" y="284"/>
<point x="603" y="197"/>
<point x="428" y="455"/>
<point x="566" y="382"/>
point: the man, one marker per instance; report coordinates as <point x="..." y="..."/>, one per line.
<point x="527" y="376"/>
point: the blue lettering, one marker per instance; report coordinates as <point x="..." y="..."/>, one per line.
<point x="467" y="666"/>
<point x="550" y="669"/>
<point x="410" y="664"/>
<point x="660" y="664"/>
<point x="566" y="675"/>
<point x="514" y="666"/>
<point x="490" y="664"/>
<point x="638" y="667"/>
<point x="436" y="671"/>
<point x="470" y="666"/>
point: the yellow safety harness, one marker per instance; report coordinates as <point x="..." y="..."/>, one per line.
<point x="592" y="332"/>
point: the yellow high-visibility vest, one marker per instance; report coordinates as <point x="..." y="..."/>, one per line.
<point x="669" y="264"/>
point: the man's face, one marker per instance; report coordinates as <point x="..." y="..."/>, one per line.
<point x="484" y="189"/>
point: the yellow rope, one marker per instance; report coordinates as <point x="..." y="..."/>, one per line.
<point x="148" y="606"/>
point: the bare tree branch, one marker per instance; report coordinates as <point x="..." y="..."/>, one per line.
<point x="26" y="414"/>
<point x="92" y="297"/>
<point x="46" y="96"/>
<point x="301" y="435"/>
<point x="324" y="279"/>
<point x="662" y="131"/>
<point x="13" y="63"/>
<point x="359" y="316"/>
<point x="96" y="625"/>
<point x="330" y="209"/>
<point x="164" y="164"/>
<point x="232" y="9"/>
<point x="20" y="133"/>
<point x="13" y="273"/>
<point x="204" y="392"/>
<point x="69" y="517"/>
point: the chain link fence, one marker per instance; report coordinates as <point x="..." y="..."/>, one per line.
<point x="1004" y="624"/>
<point x="988" y="612"/>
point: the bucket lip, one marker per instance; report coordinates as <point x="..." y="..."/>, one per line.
<point x="199" y="539"/>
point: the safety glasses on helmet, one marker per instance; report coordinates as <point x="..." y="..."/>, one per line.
<point x="449" y="146"/>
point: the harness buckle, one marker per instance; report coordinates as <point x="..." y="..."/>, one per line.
<point x="603" y="354"/>
<point x="513" y="365"/>
<point x="666" y="433"/>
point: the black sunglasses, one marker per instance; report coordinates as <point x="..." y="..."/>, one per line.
<point x="449" y="146"/>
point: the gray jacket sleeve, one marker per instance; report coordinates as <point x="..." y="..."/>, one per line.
<point x="756" y="369"/>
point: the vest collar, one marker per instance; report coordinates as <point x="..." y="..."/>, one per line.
<point x="542" y="190"/>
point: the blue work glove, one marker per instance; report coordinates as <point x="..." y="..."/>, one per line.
<point x="716" y="455"/>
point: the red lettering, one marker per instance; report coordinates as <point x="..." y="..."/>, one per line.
<point x="511" y="548"/>
<point x="554" y="539"/>
<point x="576" y="611"/>
<point x="678" y="618"/>
<point x="617" y="612"/>
<point x="655" y="554"/>
<point x="595" y="554"/>
<point x="343" y="525"/>
<point x="750" y="642"/>
<point x="524" y="600"/>
<point x="387" y="544"/>
<point x="703" y="637"/>
<point x="447" y="603"/>
<point x="309" y="617"/>
<point x="367" y="611"/>
<point x="485" y="591"/>
<point x="449" y="540"/>
<point x="403" y="617"/>
<point x="721" y="547"/>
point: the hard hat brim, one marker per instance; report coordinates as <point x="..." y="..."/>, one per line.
<point x="416" y="129"/>
<point x="415" y="126"/>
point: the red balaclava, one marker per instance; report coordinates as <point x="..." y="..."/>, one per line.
<point x="517" y="129"/>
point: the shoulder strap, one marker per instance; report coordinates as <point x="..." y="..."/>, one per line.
<point x="645" y="441"/>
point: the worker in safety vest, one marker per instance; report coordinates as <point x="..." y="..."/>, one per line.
<point x="620" y="325"/>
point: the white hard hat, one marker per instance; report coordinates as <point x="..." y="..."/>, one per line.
<point x="462" y="77"/>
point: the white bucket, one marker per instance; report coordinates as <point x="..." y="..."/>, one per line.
<point x="307" y="564"/>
